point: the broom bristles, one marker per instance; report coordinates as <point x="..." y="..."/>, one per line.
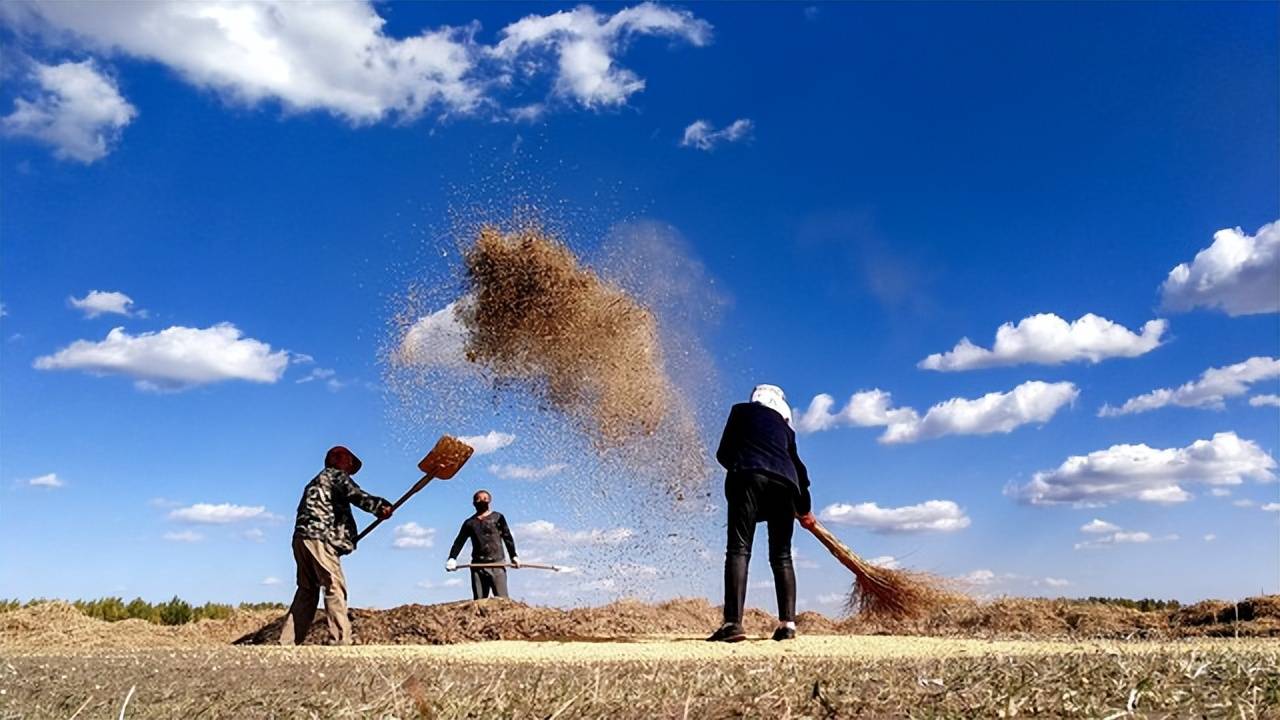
<point x="882" y="591"/>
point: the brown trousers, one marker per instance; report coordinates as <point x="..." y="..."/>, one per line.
<point x="318" y="567"/>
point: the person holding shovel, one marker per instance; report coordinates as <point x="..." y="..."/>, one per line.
<point x="488" y="532"/>
<point x="765" y="482"/>
<point x="324" y="531"/>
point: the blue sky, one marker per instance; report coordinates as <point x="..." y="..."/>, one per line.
<point x="868" y="185"/>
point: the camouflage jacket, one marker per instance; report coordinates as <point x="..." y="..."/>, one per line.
<point x="324" y="513"/>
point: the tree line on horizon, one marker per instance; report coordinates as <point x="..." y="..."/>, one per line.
<point x="174" y="611"/>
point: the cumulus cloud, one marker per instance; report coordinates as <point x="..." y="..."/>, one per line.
<point x="1030" y="402"/>
<point x="184" y="536"/>
<point x="491" y="441"/>
<point x="887" y="562"/>
<point x="219" y="514"/>
<point x="929" y="516"/>
<point x="1210" y="391"/>
<point x="173" y="359"/>
<point x="702" y="135"/>
<point x="254" y="535"/>
<point x="1146" y="474"/>
<point x="979" y="577"/>
<point x="1047" y="339"/>
<point x="1238" y="274"/>
<point x="79" y="111"/>
<point x="585" y="45"/>
<point x="269" y="580"/>
<point x="98" y="302"/>
<point x="338" y="57"/>
<point x="1121" y="537"/>
<point x="527" y="472"/>
<point x="412" y="536"/>
<point x="1210" y="537"/>
<point x="545" y="531"/>
<point x="1098" y="527"/>
<point x="437" y="340"/>
<point x="1271" y="507"/>
<point x="48" y="480"/>
<point x="1055" y="582"/>
<point x="1265" y="401"/>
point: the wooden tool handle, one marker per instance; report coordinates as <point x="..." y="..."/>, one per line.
<point x="833" y="545"/>
<point x="396" y="505"/>
<point x="534" y="566"/>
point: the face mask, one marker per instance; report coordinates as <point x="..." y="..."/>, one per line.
<point x="480" y="506"/>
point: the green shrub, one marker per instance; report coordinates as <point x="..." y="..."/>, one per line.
<point x="175" y="612"/>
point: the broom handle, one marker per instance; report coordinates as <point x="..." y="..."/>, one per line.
<point x="839" y="550"/>
<point x="396" y="505"/>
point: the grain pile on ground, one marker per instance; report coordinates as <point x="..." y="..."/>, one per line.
<point x="468" y="621"/>
<point x="59" y="624"/>
<point x="1016" y="618"/>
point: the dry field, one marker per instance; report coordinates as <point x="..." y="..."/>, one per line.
<point x="55" y="664"/>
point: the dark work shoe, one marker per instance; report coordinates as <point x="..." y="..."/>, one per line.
<point x="784" y="633"/>
<point x="728" y="632"/>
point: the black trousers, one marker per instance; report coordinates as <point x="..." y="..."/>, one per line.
<point x="755" y="498"/>
<point x="488" y="581"/>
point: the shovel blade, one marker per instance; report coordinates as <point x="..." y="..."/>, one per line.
<point x="446" y="458"/>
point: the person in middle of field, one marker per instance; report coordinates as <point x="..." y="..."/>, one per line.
<point x="765" y="482"/>
<point x="488" y="532"/>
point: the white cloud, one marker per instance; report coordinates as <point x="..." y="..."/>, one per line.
<point x="489" y="442"/>
<point x="1219" y="492"/>
<point x="49" y="480"/>
<point x="1213" y="387"/>
<point x="1049" y="340"/>
<point x="1056" y="582"/>
<point x="832" y="599"/>
<point x="411" y="535"/>
<point x="1098" y="527"/>
<point x="1139" y="472"/>
<point x="869" y="408"/>
<point x="269" y="580"/>
<point x="1265" y="401"/>
<point x="174" y="358"/>
<point x="452" y="582"/>
<point x="1210" y="537"/>
<point x="929" y="516"/>
<point x="185" y="536"/>
<point x="702" y="135"/>
<point x="98" y="302"/>
<point x="1030" y="402"/>
<point x="219" y="514"/>
<point x="1238" y="274"/>
<point x="79" y="111"/>
<point x="527" y="472"/>
<point x="254" y="535"/>
<point x="979" y="577"/>
<point x="338" y="57"/>
<point x="1121" y="537"/>
<point x="325" y="375"/>
<point x="1271" y="507"/>
<point x="547" y="532"/>
<point x="585" y="45"/>
<point x="1243" y="503"/>
<point x="887" y="562"/>
<point x="438" y="340"/>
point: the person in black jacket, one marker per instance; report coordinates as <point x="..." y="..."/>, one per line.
<point x="488" y="532"/>
<point x="765" y="482"/>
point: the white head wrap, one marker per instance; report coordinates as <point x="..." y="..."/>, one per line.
<point x="772" y="397"/>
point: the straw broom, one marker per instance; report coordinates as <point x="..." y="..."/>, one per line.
<point x="881" y="591"/>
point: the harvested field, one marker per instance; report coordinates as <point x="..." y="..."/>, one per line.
<point x="811" y="677"/>
<point x="631" y="659"/>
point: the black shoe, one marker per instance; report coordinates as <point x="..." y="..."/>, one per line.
<point x="784" y="633"/>
<point x="728" y="632"/>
